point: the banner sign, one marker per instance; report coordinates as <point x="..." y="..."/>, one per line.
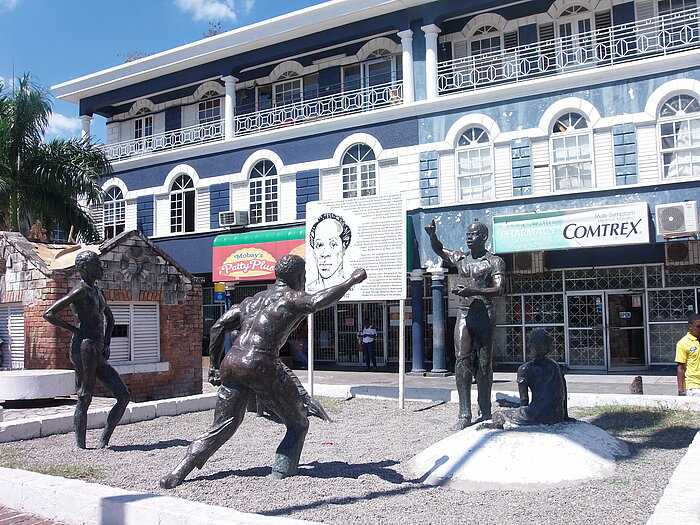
<point x="365" y="232"/>
<point x="253" y="255"/>
<point x="562" y="229"/>
<point x="219" y="292"/>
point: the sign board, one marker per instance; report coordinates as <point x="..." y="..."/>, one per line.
<point x="580" y="228"/>
<point x="365" y="232"/>
<point x="395" y="316"/>
<point x="219" y="292"/>
<point x="253" y="255"/>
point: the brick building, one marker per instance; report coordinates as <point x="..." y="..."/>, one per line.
<point x="156" y="344"/>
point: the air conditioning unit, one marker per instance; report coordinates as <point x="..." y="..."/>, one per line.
<point x="677" y="219"/>
<point x="233" y="218"/>
<point x="528" y="263"/>
<point x="682" y="253"/>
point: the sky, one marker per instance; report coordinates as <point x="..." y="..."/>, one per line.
<point x="60" y="40"/>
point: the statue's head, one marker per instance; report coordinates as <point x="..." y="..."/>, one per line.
<point x="539" y="342"/>
<point x="89" y="265"/>
<point x="477" y="233"/>
<point x="292" y="270"/>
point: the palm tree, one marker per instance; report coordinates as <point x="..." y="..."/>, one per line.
<point x="45" y="180"/>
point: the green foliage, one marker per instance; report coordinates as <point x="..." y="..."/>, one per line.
<point x="44" y="180"/>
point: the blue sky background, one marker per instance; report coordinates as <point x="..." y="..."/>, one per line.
<point x="60" y="40"/>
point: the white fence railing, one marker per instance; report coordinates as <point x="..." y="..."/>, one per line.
<point x="166" y="141"/>
<point x="638" y="40"/>
<point x="326" y="107"/>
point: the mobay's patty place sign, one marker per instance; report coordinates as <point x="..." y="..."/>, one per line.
<point x="583" y="228"/>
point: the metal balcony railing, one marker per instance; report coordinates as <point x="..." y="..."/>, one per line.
<point x="638" y="40"/>
<point x="321" y="108"/>
<point x="166" y="141"/>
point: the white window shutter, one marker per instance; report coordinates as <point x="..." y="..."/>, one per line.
<point x="120" y="350"/>
<point x="12" y="334"/>
<point x="145" y="335"/>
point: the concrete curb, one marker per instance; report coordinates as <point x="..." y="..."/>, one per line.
<point x="97" y="418"/>
<point x="60" y="424"/>
<point x="76" y="502"/>
<point x="680" y="503"/>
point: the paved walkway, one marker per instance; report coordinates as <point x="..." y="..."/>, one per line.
<point x="502" y="381"/>
<point x="14" y="517"/>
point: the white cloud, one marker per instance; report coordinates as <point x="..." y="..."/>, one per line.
<point x="7" y="5"/>
<point x="62" y="126"/>
<point x="210" y="10"/>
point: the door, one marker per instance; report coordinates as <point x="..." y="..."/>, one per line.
<point x="576" y="42"/>
<point x="625" y="327"/>
<point x="585" y="334"/>
<point x="350" y="319"/>
<point x="606" y="330"/>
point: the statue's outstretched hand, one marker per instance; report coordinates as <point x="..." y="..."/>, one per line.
<point x="430" y="228"/>
<point x="359" y="275"/>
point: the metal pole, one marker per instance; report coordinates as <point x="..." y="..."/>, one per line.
<point x="310" y="355"/>
<point x="402" y="353"/>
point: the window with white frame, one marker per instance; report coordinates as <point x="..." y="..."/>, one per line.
<point x="674" y="6"/>
<point x="486" y="39"/>
<point x="679" y="131"/>
<point x="380" y="67"/>
<point x="359" y="171"/>
<point x="264" y="193"/>
<point x="182" y="205"/>
<point x="572" y="165"/>
<point x="143" y="124"/>
<point x="289" y="89"/>
<point x="474" y="165"/>
<point x="575" y="32"/>
<point x="113" y="213"/>
<point x="209" y="110"/>
<point x="136" y="333"/>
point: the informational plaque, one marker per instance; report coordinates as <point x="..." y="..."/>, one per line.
<point x="365" y="232"/>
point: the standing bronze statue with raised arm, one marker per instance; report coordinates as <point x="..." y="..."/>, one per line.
<point x="89" y="349"/>
<point x="252" y="366"/>
<point x="483" y="277"/>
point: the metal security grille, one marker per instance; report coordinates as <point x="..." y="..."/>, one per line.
<point x="211" y="311"/>
<point x="615" y="278"/>
<point x="324" y="335"/>
<point x="586" y="334"/>
<point x="549" y="282"/>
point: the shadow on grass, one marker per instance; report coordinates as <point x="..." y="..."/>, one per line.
<point x="423" y="409"/>
<point x="644" y="428"/>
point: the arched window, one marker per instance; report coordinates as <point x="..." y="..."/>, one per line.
<point x="359" y="171"/>
<point x="114" y="213"/>
<point x="264" y="192"/>
<point x="574" y="30"/>
<point x="486" y="39"/>
<point x="143" y="123"/>
<point x="571" y="152"/>
<point x="379" y="68"/>
<point x="679" y="130"/>
<point x="474" y="165"/>
<point x="209" y="109"/>
<point x="182" y="205"/>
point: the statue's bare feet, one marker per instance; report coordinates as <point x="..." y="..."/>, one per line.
<point x="461" y="424"/>
<point x="170" y="481"/>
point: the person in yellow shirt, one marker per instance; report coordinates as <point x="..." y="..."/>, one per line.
<point x="688" y="359"/>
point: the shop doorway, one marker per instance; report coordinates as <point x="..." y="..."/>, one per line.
<point x="337" y="332"/>
<point x="605" y="330"/>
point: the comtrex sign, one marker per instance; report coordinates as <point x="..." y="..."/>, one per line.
<point x="555" y="230"/>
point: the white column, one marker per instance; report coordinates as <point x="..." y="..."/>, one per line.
<point x="431" y="75"/>
<point x="85" y="131"/>
<point x="407" y="65"/>
<point x="229" y="106"/>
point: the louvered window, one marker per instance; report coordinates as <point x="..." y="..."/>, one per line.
<point x="136" y="335"/>
<point x="12" y="335"/>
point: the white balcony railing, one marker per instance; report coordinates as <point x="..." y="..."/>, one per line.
<point x="166" y="141"/>
<point x="329" y="106"/>
<point x="617" y="44"/>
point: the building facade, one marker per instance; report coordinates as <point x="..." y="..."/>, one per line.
<point x="484" y="111"/>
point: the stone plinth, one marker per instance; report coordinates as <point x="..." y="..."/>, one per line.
<point x="526" y="458"/>
<point x="36" y="384"/>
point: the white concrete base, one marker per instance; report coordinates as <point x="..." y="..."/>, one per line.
<point x="36" y="384"/>
<point x="525" y="458"/>
<point x="78" y="502"/>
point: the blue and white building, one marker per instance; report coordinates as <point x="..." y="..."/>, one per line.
<point x="473" y="110"/>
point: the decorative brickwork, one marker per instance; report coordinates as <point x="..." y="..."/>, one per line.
<point x="135" y="271"/>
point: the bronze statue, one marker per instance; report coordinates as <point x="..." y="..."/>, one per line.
<point x="89" y="349"/>
<point x="252" y="366"/>
<point x="544" y="377"/>
<point x="483" y="277"/>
